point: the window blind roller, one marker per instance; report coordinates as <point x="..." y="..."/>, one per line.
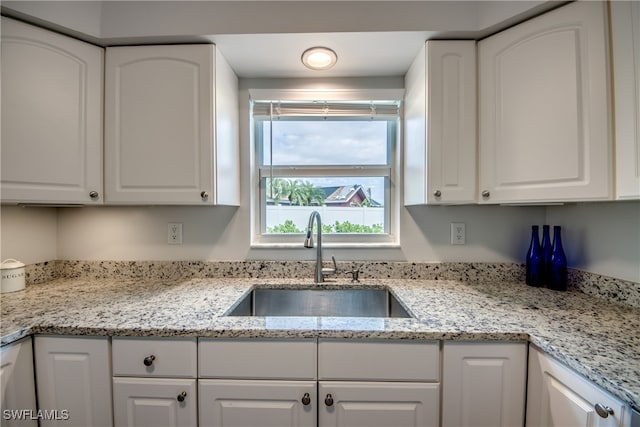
<point x="372" y="110"/>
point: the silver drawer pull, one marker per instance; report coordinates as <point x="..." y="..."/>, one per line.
<point x="603" y="410"/>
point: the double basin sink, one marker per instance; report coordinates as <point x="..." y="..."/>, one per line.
<point x="354" y="302"/>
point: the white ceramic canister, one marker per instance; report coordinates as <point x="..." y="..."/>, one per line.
<point x="13" y="276"/>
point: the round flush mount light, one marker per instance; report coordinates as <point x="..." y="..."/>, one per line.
<point x="319" y="58"/>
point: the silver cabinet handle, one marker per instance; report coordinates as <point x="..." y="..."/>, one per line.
<point x="603" y="410"/>
<point x="204" y="195"/>
<point x="306" y="399"/>
<point x="437" y="193"/>
<point x="486" y="194"/>
<point x="328" y="400"/>
<point x="148" y="361"/>
<point x="94" y="195"/>
<point x="182" y="396"/>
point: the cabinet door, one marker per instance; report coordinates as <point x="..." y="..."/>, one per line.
<point x="51" y="117"/>
<point x="544" y="113"/>
<point x="557" y="396"/>
<point x="246" y="403"/>
<point x="440" y="124"/>
<point x="73" y="375"/>
<point x="378" y="404"/>
<point x="625" y="34"/>
<point x="159" y="124"/>
<point x="483" y="384"/>
<point x="18" y="389"/>
<point x="154" y="402"/>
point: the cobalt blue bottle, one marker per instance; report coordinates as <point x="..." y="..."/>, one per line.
<point x="558" y="276"/>
<point x="547" y="250"/>
<point x="534" y="265"/>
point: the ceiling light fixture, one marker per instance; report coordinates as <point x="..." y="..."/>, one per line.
<point x="319" y="58"/>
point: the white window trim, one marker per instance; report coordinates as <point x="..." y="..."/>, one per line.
<point x="334" y="240"/>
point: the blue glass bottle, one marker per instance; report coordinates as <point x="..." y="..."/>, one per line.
<point x="534" y="265"/>
<point x="558" y="276"/>
<point x="547" y="250"/>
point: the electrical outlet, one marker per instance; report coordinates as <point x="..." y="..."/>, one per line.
<point x="174" y="236"/>
<point x="458" y="233"/>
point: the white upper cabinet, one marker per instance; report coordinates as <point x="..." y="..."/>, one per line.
<point x="625" y="34"/>
<point x="544" y="110"/>
<point x="51" y="117"/>
<point x="440" y="124"/>
<point x="171" y="126"/>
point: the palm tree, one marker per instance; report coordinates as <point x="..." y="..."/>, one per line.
<point x="297" y="193"/>
<point x="313" y="194"/>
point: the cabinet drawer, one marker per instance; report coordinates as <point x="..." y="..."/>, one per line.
<point x="162" y="357"/>
<point x="379" y="360"/>
<point x="257" y="359"/>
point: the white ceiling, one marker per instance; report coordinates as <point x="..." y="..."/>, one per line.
<point x="359" y="54"/>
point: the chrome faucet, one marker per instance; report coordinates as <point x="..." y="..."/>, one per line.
<point x="308" y="243"/>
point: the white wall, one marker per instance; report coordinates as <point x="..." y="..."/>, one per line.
<point x="601" y="237"/>
<point x="28" y="234"/>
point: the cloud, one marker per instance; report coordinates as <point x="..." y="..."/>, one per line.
<point x="327" y="143"/>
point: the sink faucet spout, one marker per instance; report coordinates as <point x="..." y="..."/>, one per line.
<point x="308" y="243"/>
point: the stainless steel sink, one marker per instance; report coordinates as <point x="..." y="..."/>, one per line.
<point x="320" y="302"/>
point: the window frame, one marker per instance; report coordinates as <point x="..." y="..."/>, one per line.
<point x="389" y="171"/>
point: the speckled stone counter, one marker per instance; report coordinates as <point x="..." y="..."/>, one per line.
<point x="598" y="339"/>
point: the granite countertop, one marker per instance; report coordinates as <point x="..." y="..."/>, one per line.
<point x="599" y="339"/>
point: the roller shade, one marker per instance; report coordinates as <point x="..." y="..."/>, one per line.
<point x="365" y="109"/>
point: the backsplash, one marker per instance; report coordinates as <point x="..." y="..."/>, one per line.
<point x="621" y="291"/>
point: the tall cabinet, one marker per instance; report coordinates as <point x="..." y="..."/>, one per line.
<point x="625" y="36"/>
<point x="171" y="126"/>
<point x="440" y="124"/>
<point x="544" y="113"/>
<point x="51" y="117"/>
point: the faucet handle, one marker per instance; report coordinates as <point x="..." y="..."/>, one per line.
<point x="333" y="270"/>
<point x="355" y="275"/>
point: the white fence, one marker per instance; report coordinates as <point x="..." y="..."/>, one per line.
<point x="329" y="214"/>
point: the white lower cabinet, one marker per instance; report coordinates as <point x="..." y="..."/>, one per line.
<point x="18" y="391"/>
<point x="155" y="382"/>
<point x="378" y="383"/>
<point x="154" y="402"/>
<point x="558" y="396"/>
<point x="251" y="403"/>
<point x="483" y="384"/>
<point x="274" y="382"/>
<point x="378" y="404"/>
<point x="73" y="378"/>
<point x="257" y="382"/>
